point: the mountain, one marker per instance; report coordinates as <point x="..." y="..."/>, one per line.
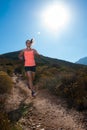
<point x="82" y="61"/>
<point x="10" y="55"/>
<point x="42" y="60"/>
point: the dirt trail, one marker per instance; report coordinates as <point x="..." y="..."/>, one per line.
<point x="47" y="112"/>
<point x="55" y="114"/>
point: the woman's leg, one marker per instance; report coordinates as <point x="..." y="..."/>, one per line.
<point x="33" y="75"/>
<point x="30" y="80"/>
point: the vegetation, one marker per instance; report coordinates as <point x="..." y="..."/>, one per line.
<point x="64" y="79"/>
<point x="68" y="84"/>
<point x="6" y="86"/>
<point x="5" y="83"/>
<point x="5" y="123"/>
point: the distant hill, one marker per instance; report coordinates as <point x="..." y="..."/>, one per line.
<point x="42" y="60"/>
<point x="82" y="61"/>
<point x="11" y="55"/>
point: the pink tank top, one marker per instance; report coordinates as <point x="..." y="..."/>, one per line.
<point x="29" y="58"/>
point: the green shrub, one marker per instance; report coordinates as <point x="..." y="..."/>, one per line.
<point x="19" y="69"/>
<point x="5" y="83"/>
<point x="4" y="122"/>
<point x="10" y="70"/>
<point x="74" y="89"/>
<point x="47" y="81"/>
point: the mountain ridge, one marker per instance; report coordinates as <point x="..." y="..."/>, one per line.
<point x="42" y="60"/>
<point x="82" y="61"/>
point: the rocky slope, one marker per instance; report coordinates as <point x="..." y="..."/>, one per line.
<point x="45" y="112"/>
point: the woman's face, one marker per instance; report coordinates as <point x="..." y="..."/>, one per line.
<point x="28" y="44"/>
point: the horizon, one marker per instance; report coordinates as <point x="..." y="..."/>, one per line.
<point x="22" y="20"/>
<point x="47" y="56"/>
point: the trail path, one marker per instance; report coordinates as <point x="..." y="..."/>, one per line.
<point x="46" y="112"/>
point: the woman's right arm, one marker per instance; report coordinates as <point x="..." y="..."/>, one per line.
<point x="20" y="56"/>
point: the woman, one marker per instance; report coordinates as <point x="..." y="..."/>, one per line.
<point x="29" y="64"/>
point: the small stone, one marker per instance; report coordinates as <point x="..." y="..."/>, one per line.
<point x="38" y="126"/>
<point x="42" y="129"/>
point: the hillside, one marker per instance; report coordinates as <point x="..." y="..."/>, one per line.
<point x="61" y="77"/>
<point x="45" y="112"/>
<point x="42" y="60"/>
<point x="82" y="61"/>
<point x="62" y="95"/>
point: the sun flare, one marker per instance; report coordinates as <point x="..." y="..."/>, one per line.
<point x="55" y="17"/>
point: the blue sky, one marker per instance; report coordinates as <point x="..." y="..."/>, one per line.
<point x="21" y="20"/>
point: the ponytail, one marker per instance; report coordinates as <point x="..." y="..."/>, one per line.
<point x="31" y="40"/>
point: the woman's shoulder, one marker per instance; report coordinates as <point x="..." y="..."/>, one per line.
<point x="35" y="52"/>
<point x="24" y="50"/>
<point x="34" y="49"/>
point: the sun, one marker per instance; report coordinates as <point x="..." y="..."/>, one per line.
<point x="55" y="17"/>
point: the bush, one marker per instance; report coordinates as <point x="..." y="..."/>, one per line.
<point x="19" y="69"/>
<point x="5" y="83"/>
<point x="74" y="89"/>
<point x="10" y="70"/>
<point x="67" y="83"/>
<point x="5" y="87"/>
<point x="4" y="122"/>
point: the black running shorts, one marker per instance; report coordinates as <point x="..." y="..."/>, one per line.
<point x="30" y="68"/>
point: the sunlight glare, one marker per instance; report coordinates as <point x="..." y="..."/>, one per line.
<point x="55" y="17"/>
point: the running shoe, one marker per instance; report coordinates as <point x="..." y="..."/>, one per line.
<point x="33" y="93"/>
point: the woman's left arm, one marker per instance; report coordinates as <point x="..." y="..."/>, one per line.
<point x="36" y="53"/>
